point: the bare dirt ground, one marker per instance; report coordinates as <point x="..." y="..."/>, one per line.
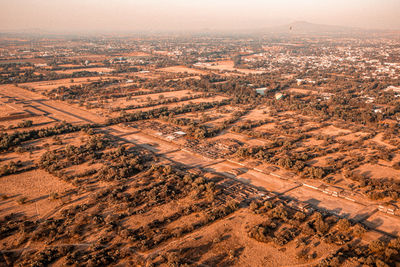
<point x="69" y="65"/>
<point x="229" y="66"/>
<point x="38" y="122"/>
<point x="301" y="91"/>
<point x="378" y="139"/>
<point x="331" y="130"/>
<point x="142" y="100"/>
<point x="36" y="186"/>
<point x="384" y="222"/>
<point x="70" y="71"/>
<point x="376" y="171"/>
<point x="352" y="136"/>
<point x="348" y="209"/>
<point x="28" y="60"/>
<point x="242" y="138"/>
<point x="53" y="108"/>
<point x="137" y="54"/>
<point x="183" y="69"/>
<point x="48" y="85"/>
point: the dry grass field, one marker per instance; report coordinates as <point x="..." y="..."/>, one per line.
<point x="30" y="193"/>
<point x="302" y="91"/>
<point x="70" y="71"/>
<point x="48" y="85"/>
<point x="227" y="65"/>
<point x="182" y="69"/>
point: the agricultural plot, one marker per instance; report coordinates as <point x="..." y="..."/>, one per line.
<point x="228" y="65"/>
<point x="99" y="70"/>
<point x="33" y="193"/>
<point x="183" y="69"/>
<point x="44" y="86"/>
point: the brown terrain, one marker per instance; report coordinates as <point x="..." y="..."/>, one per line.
<point x="141" y="160"/>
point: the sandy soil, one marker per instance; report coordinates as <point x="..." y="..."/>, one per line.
<point x="137" y="54"/>
<point x="69" y="65"/>
<point x="38" y="123"/>
<point x="378" y="139"/>
<point x="228" y="65"/>
<point x="379" y="171"/>
<point x="58" y="110"/>
<point x="331" y="130"/>
<point x="352" y="136"/>
<point x="384" y="222"/>
<point x="143" y="99"/>
<point x="36" y="186"/>
<point x="48" y="85"/>
<point x="182" y="69"/>
<point x="70" y="71"/>
<point x="302" y="91"/>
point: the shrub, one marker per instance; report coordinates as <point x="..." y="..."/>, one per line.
<point x="22" y="200"/>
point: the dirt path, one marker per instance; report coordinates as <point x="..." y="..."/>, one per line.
<point x="51" y="106"/>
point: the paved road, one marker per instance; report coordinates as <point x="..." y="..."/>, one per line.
<point x="51" y="107"/>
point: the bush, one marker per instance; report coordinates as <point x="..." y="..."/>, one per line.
<point x="22" y="200"/>
<point x="25" y="124"/>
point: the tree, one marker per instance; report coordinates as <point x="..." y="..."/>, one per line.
<point x="343" y="225"/>
<point x="237" y="60"/>
<point x="358" y="230"/>
<point x="376" y="247"/>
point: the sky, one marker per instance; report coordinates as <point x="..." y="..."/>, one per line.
<point x="192" y="15"/>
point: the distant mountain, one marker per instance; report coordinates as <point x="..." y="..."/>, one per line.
<point x="304" y="27"/>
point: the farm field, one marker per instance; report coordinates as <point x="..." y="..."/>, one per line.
<point x="180" y="69"/>
<point x="70" y="71"/>
<point x="228" y="65"/>
<point x="49" y="85"/>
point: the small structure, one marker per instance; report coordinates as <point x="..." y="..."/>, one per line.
<point x="279" y="96"/>
<point x="301" y="206"/>
<point x="327" y="96"/>
<point x="268" y="195"/>
<point x="170" y="137"/>
<point x="236" y="172"/>
<point x="395" y="89"/>
<point x="390" y="209"/>
<point x="369" y="99"/>
<point x="299" y="81"/>
<point x="334" y="191"/>
<point x="180" y="133"/>
<point x="41" y="65"/>
<point x="195" y="171"/>
<point x="261" y="91"/>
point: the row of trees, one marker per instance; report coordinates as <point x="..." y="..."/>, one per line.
<point x="283" y="224"/>
<point x="162" y="101"/>
<point x="202" y="131"/>
<point x="165" y="112"/>
<point x="8" y="141"/>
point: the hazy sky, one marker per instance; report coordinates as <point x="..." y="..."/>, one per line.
<point x="144" y="15"/>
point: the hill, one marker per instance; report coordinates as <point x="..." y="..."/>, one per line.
<point x="304" y="27"/>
